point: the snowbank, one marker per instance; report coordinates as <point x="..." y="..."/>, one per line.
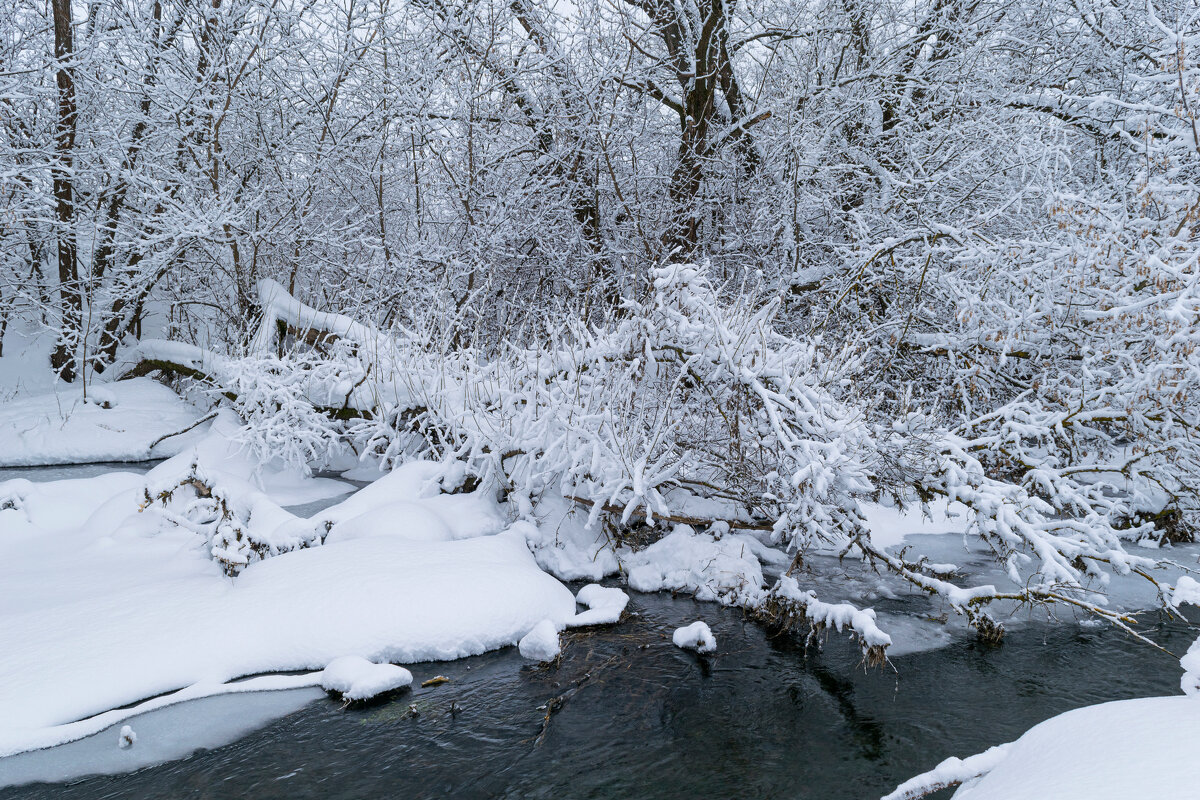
<point x="605" y="605"/>
<point x="112" y="597"/>
<point x="1112" y="751"/>
<point x="566" y="547"/>
<point x="179" y="621"/>
<point x="118" y="422"/>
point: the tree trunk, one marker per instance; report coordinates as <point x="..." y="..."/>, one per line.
<point x="70" y="292"/>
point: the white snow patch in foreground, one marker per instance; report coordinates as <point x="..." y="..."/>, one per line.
<point x="356" y="678"/>
<point x="541" y="643"/>
<point x="697" y="636"/>
<point x="1112" y="751"/>
<point x="61" y="427"/>
<point x="118" y="620"/>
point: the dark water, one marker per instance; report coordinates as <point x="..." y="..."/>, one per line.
<point x="638" y="718"/>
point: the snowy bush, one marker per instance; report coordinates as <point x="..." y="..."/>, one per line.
<point x="290" y="404"/>
<point x="237" y="525"/>
<point x="692" y="410"/>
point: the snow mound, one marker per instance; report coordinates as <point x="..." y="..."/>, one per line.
<point x="565" y="546"/>
<point x="403" y="520"/>
<point x="117" y="422"/>
<point x="1111" y="751"/>
<point x="605" y="605"/>
<point x="541" y="643"/>
<point x="415" y="484"/>
<point x="697" y="636"/>
<point x="356" y="678"/>
<point x="683" y="560"/>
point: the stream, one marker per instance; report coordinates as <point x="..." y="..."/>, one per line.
<point x="626" y="714"/>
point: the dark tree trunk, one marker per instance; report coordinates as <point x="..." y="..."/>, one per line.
<point x="62" y="359"/>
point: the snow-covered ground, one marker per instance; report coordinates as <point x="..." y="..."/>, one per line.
<point x="123" y="421"/>
<point x="1111" y="751"/>
<point x="1144" y="748"/>
<point x="104" y="602"/>
<point x="119" y="598"/>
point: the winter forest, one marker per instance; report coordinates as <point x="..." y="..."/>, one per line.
<point x="342" y="340"/>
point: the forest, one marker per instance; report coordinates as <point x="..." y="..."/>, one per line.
<point x="744" y="292"/>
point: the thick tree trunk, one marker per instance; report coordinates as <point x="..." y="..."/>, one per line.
<point x="697" y="45"/>
<point x="69" y="288"/>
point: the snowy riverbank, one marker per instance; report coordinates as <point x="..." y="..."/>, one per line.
<point x="123" y="593"/>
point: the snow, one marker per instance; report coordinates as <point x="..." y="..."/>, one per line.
<point x="105" y="601"/>
<point x="166" y="734"/>
<point x="356" y="678"/>
<point x="24" y="367"/>
<point x="541" y="643"/>
<point x="409" y="503"/>
<point x="890" y="525"/>
<point x="950" y="772"/>
<point x="277" y="304"/>
<point x="404" y="520"/>
<point x="1111" y="751"/>
<point x="697" y="636"/>
<point x="605" y="605"/>
<point x="912" y="634"/>
<point x="1187" y="591"/>
<point x="566" y="547"/>
<point x="126" y="738"/>
<point x="683" y="560"/>
<point x="839" y="616"/>
<point x="26" y="506"/>
<point x="21" y="741"/>
<point x="59" y="427"/>
<point x="168" y="620"/>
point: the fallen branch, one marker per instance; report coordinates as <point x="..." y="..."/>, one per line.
<point x="679" y="519"/>
<point x="209" y="416"/>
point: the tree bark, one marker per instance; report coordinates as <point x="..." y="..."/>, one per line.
<point x="62" y="359"/>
